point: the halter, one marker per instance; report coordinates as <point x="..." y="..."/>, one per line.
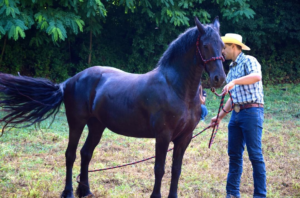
<point x="212" y="58"/>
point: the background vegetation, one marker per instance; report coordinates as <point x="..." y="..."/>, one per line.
<point x="58" y="38"/>
<point x="32" y="162"/>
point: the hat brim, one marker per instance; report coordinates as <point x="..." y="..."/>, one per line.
<point x="234" y="41"/>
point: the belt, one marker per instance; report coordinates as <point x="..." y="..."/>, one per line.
<point x="249" y="105"/>
<point x="238" y="107"/>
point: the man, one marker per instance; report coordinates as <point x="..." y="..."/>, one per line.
<point x="202" y="95"/>
<point x="246" y="122"/>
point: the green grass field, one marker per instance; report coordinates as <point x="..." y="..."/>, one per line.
<point x="32" y="162"/>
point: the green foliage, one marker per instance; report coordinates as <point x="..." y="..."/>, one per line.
<point x="273" y="36"/>
<point x="12" y="22"/>
<point x="132" y="35"/>
<point x="55" y="22"/>
<point x="18" y="16"/>
<point x="94" y="8"/>
<point x="237" y="13"/>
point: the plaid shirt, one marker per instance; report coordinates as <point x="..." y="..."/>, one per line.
<point x="243" y="94"/>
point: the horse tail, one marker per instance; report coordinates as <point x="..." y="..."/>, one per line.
<point x="26" y="100"/>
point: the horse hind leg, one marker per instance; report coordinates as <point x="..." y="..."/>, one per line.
<point x="95" y="133"/>
<point x="75" y="131"/>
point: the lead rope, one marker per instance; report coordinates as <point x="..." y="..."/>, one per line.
<point x="214" y="132"/>
<point x="216" y="127"/>
<point x="132" y="163"/>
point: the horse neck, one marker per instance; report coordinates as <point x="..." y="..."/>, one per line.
<point x="184" y="75"/>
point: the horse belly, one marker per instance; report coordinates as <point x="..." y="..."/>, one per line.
<point x="123" y="120"/>
<point x="132" y="126"/>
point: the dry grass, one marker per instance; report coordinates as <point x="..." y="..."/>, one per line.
<point x="32" y="161"/>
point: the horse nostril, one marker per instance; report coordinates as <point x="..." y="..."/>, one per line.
<point x="216" y="78"/>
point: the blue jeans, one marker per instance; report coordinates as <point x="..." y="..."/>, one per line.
<point x="204" y="112"/>
<point x="245" y="128"/>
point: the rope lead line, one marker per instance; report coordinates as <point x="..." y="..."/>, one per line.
<point x="216" y="127"/>
<point x="132" y="163"/>
<point x="214" y="132"/>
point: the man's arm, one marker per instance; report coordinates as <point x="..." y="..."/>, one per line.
<point x="245" y="80"/>
<point x="203" y="98"/>
<point x="249" y="79"/>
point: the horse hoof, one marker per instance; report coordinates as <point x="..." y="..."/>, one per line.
<point x="89" y="196"/>
<point x="67" y="194"/>
<point x="155" y="196"/>
<point x="84" y="192"/>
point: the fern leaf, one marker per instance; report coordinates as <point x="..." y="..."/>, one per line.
<point x="38" y="17"/>
<point x="20" y="23"/>
<point x="80" y="24"/>
<point x="50" y="28"/>
<point x="74" y="27"/>
<point x="3" y="8"/>
<point x="2" y="31"/>
<point x="44" y="25"/>
<point x="59" y="33"/>
<point x="61" y="30"/>
<point x="19" y="31"/>
<point x="8" y="11"/>
<point x="11" y="32"/>
<point x="54" y="34"/>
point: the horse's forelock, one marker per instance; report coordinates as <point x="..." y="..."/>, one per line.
<point x="210" y="29"/>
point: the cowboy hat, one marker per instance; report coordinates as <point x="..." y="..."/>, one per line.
<point x="235" y="39"/>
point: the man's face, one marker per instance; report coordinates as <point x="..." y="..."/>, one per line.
<point x="228" y="51"/>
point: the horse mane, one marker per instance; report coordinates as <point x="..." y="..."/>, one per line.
<point x="182" y="44"/>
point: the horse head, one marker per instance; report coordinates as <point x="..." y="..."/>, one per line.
<point x="209" y="46"/>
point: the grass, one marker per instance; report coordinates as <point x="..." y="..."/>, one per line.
<point x="32" y="162"/>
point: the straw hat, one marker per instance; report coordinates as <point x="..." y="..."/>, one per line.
<point x="235" y="39"/>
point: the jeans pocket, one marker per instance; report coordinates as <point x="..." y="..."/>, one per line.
<point x="254" y="115"/>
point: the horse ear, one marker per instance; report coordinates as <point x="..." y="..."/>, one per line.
<point x="200" y="27"/>
<point x="217" y="23"/>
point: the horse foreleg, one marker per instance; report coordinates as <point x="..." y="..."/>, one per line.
<point x="180" y="145"/>
<point x="74" y="136"/>
<point x="95" y="132"/>
<point x="161" y="148"/>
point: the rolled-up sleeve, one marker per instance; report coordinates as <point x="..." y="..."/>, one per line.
<point x="252" y="66"/>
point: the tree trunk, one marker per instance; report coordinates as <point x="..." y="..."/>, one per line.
<point x="3" y="49"/>
<point x="91" y="42"/>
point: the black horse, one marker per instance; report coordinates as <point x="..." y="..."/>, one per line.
<point x="162" y="104"/>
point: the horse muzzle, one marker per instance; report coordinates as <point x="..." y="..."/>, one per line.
<point x="217" y="80"/>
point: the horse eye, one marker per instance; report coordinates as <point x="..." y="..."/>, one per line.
<point x="206" y="46"/>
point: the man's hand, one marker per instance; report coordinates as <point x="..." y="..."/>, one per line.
<point x="228" y="87"/>
<point x="214" y="121"/>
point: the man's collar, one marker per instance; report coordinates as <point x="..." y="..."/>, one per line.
<point x="238" y="59"/>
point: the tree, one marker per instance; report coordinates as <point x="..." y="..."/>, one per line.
<point x="71" y="24"/>
<point x="58" y="18"/>
<point x="274" y="38"/>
